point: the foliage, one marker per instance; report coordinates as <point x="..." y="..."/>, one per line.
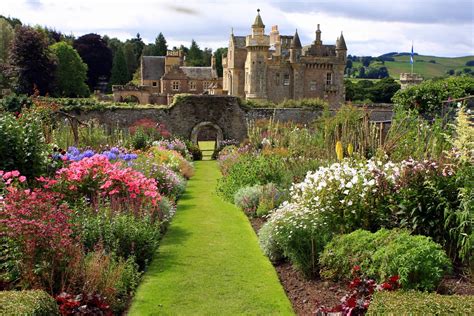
<point x="32" y="61"/>
<point x="15" y="102"/>
<point x="194" y="57"/>
<point x="248" y="198"/>
<point x="173" y="160"/>
<point x="122" y="234"/>
<point x="312" y="103"/>
<point x="174" y="144"/>
<point x="427" y="98"/>
<point x="83" y="303"/>
<point x="194" y="151"/>
<point x="28" y="303"/>
<point x="119" y="73"/>
<point x="6" y="36"/>
<point x="161" y="45"/>
<point x="22" y="145"/>
<point x="420" y="303"/>
<point x="98" y="57"/>
<point x="270" y="198"/>
<point x="219" y="54"/>
<point x="250" y="170"/>
<point x="361" y="288"/>
<point x="268" y="244"/>
<point x="381" y="91"/>
<point x="418" y="261"/>
<point x="71" y="72"/>
<point x="140" y="139"/>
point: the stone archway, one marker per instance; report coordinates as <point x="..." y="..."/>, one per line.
<point x="198" y="127"/>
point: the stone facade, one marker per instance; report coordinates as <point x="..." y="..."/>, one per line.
<point x="162" y="77"/>
<point x="409" y="79"/>
<point x="277" y="67"/>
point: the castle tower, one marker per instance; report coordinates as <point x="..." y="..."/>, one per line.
<point x="318" y="40"/>
<point x="341" y="48"/>
<point x="257" y="46"/>
<point x="295" y="48"/>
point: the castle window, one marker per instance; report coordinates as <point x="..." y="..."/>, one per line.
<point x="312" y="85"/>
<point x="286" y="80"/>
<point x="277" y="79"/>
<point x="329" y="79"/>
<point x="175" y="85"/>
<point x="154" y="83"/>
<point x="206" y="85"/>
<point x="192" y="85"/>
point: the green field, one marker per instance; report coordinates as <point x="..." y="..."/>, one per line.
<point x="423" y="65"/>
<point x="209" y="262"/>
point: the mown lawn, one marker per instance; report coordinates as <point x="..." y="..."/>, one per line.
<point x="209" y="262"/>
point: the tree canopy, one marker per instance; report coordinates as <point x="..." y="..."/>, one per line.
<point x="97" y="55"/>
<point x="71" y="72"/>
<point x="32" y="61"/>
<point x="120" y="74"/>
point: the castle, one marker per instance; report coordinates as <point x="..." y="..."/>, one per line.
<point x="270" y="67"/>
<point x="277" y="67"/>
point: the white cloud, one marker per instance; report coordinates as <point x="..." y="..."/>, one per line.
<point x="370" y="27"/>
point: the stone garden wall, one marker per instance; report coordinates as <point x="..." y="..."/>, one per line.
<point x="225" y="112"/>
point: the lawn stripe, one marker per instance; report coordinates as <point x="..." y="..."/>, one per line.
<point x="209" y="262"/>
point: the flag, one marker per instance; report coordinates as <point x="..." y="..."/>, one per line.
<point x="412" y="54"/>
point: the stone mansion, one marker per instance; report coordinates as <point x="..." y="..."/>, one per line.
<point x="270" y="67"/>
<point x="276" y="67"/>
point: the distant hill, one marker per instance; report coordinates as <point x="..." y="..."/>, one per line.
<point x="427" y="66"/>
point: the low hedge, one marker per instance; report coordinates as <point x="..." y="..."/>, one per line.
<point x="420" y="303"/>
<point x="420" y="262"/>
<point x="27" y="303"/>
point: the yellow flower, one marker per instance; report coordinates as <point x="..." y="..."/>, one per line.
<point x="350" y="150"/>
<point x="339" y="151"/>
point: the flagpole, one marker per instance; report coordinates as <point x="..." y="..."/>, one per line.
<point x="412" y="58"/>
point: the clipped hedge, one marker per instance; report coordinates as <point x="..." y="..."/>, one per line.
<point x="419" y="261"/>
<point x="420" y="303"/>
<point x="27" y="303"/>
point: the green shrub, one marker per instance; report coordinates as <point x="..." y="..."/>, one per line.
<point x="268" y="244"/>
<point x="420" y="303"/>
<point x="140" y="140"/>
<point x="15" y="103"/>
<point x="22" y="145"/>
<point x="250" y="170"/>
<point x="420" y="262"/>
<point x="27" y="303"/>
<point x="122" y="234"/>
<point x="196" y="153"/>
<point x="270" y="198"/>
<point x="247" y="198"/>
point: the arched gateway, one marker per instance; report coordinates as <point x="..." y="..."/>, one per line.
<point x="199" y="127"/>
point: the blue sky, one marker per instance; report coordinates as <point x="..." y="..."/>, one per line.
<point x="370" y="27"/>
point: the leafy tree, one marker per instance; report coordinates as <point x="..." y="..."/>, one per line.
<point x="361" y="72"/>
<point x="6" y="37"/>
<point x="384" y="89"/>
<point x="32" y="61"/>
<point x="427" y="97"/>
<point x="450" y="72"/>
<point x="366" y="61"/>
<point x="149" y="50"/>
<point x="120" y="74"/>
<point x="14" y="22"/>
<point x="130" y="58"/>
<point x="195" y="55"/>
<point x="71" y="73"/>
<point x="160" y="45"/>
<point x="221" y="51"/>
<point x="98" y="57"/>
<point x="470" y="63"/>
<point x="113" y="43"/>
<point x="206" y="57"/>
<point x="376" y="72"/>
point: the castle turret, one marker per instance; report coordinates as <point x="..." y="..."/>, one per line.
<point x="295" y="48"/>
<point x="318" y="37"/>
<point x="257" y="45"/>
<point x="341" y="48"/>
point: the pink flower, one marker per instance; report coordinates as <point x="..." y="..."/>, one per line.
<point x="15" y="173"/>
<point x="7" y="175"/>
<point x="22" y="179"/>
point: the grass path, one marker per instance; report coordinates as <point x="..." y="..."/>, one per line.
<point x="209" y="262"/>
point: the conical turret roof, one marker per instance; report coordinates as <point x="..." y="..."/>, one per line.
<point x="258" y="20"/>
<point x="341" y="43"/>
<point x="295" y="42"/>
